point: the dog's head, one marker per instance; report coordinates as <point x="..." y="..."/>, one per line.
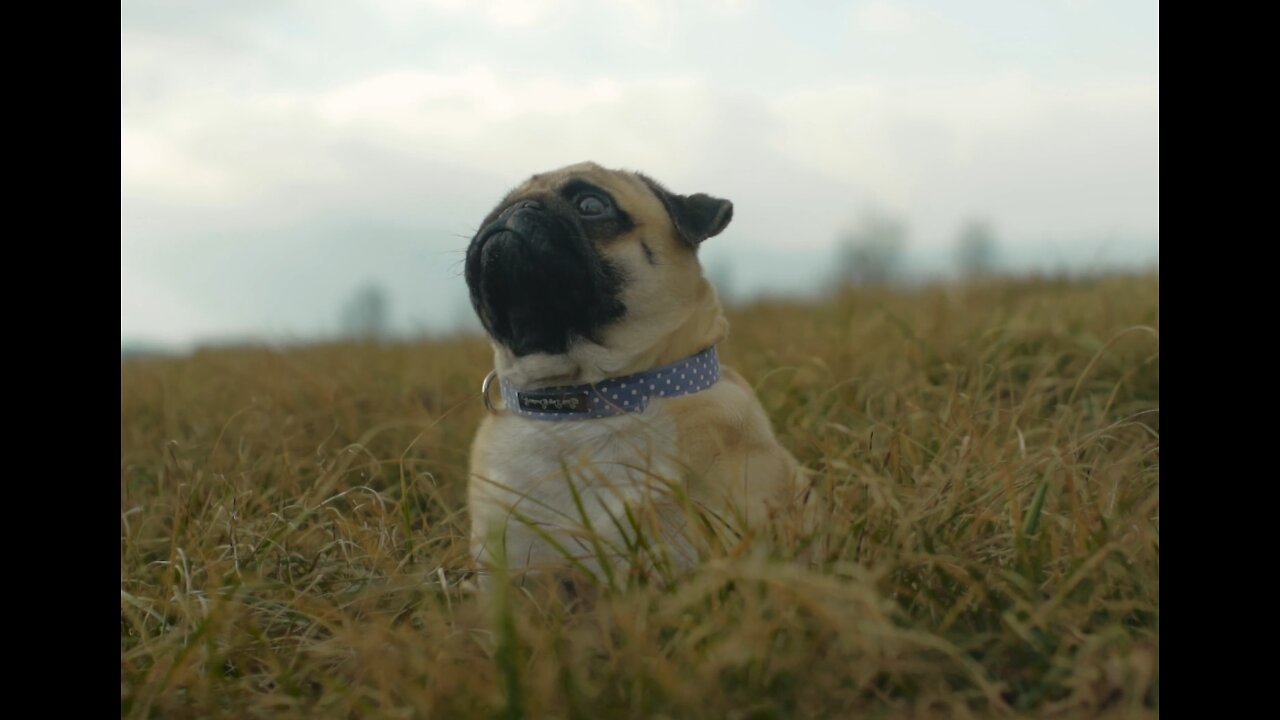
<point x="584" y="254"/>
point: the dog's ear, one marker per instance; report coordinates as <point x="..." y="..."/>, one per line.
<point x="696" y="217"/>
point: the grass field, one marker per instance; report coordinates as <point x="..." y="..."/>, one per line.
<point x="293" y="529"/>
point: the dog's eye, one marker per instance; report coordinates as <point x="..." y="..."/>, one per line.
<point x="591" y="205"/>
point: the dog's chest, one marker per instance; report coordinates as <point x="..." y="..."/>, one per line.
<point x="552" y="474"/>
<point x="616" y="451"/>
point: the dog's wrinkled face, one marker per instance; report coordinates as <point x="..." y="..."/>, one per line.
<point x="573" y="253"/>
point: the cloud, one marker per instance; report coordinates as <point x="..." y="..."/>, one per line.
<point x="888" y="17"/>
<point x="291" y="151"/>
<point x="996" y="144"/>
<point x="912" y="143"/>
<point x="248" y="147"/>
<point x="158" y="167"/>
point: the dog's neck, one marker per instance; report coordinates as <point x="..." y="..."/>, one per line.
<point x="647" y="343"/>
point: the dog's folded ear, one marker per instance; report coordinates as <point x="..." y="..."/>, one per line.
<point x="696" y="217"/>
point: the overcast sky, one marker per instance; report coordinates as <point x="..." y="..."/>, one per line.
<point x="277" y="156"/>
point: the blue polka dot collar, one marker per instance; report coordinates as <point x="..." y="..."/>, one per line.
<point x="615" y="396"/>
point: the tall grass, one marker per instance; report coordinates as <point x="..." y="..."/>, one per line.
<point x="293" y="536"/>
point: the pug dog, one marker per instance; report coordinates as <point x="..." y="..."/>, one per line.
<point x="621" y="445"/>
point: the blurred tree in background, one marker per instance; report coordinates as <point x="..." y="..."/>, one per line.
<point x="976" y="249"/>
<point x="871" y="253"/>
<point x="364" y="315"/>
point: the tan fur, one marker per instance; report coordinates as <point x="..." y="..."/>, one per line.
<point x="715" y="447"/>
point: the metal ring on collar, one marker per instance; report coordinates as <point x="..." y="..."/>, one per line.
<point x="484" y="390"/>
